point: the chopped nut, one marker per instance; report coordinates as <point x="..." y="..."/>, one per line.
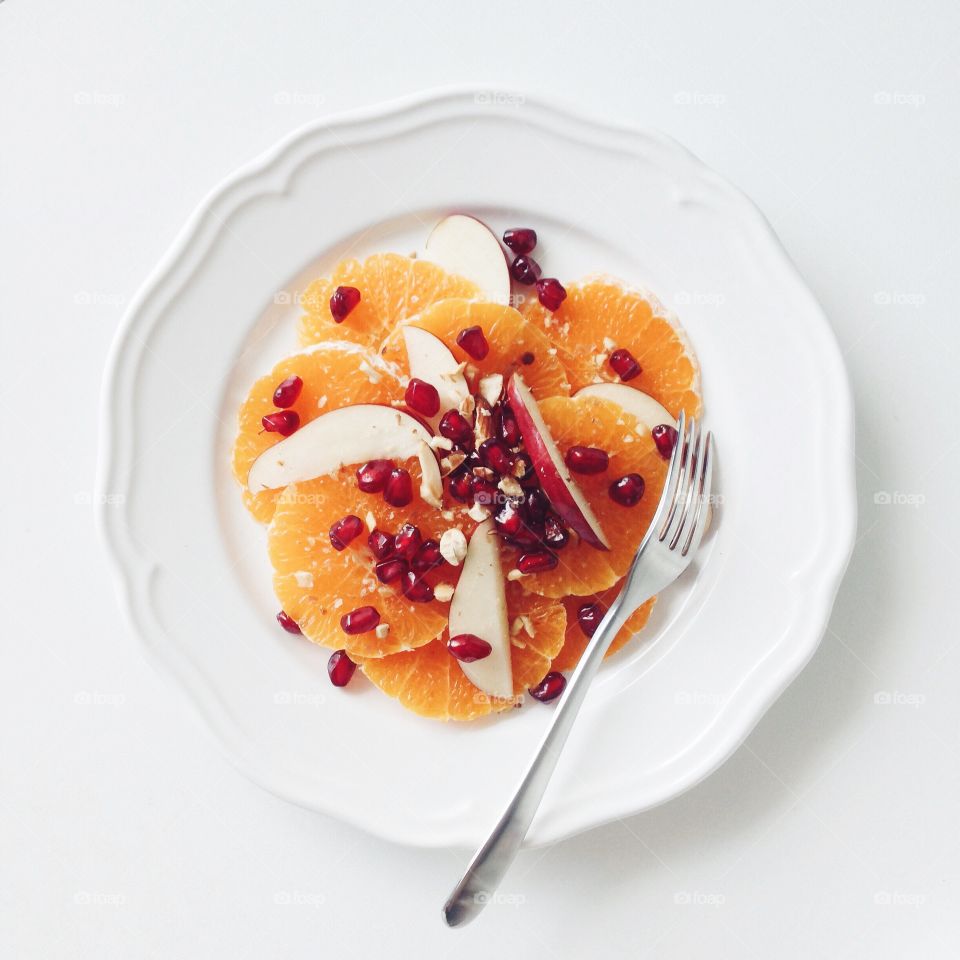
<point x="479" y="512"/>
<point x="608" y="344"/>
<point x="519" y="469"/>
<point x="467" y="406"/>
<point x="447" y="514"/>
<point x="456" y="372"/>
<point x="527" y="625"/>
<point x="382" y="630"/>
<point x="491" y="387"/>
<point x="443" y="592"/>
<point x="516" y="626"/>
<point x="483" y="422"/>
<point x="431" y="490"/>
<point x="600" y="359"/>
<point x="484" y="473"/>
<point x="450" y="463"/>
<point x="510" y="487"/>
<point x="518" y="643"/>
<point x="371" y="521"/>
<point x="453" y="546"/>
<point x="515" y="574"/>
<point x="441" y="443"/>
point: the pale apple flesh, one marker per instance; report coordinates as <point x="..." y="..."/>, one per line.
<point x="350" y="435"/>
<point x="430" y="360"/>
<point x="479" y="606"/>
<point x="648" y="412"/>
<point x="555" y="478"/>
<point x="465" y="246"/>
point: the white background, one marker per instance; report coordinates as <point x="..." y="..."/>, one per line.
<point x="833" y="832"/>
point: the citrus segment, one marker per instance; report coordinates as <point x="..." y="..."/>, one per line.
<point x="429" y="680"/>
<point x="392" y="287"/>
<point x="317" y="584"/>
<point x="334" y="375"/>
<point x="590" y="421"/>
<point x="601" y="315"/>
<point x="575" y="640"/>
<point x="513" y="343"/>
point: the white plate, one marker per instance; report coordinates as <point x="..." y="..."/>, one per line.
<point x="219" y="310"/>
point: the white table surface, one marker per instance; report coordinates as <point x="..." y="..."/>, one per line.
<point x="833" y="832"/>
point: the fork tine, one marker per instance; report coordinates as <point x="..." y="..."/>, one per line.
<point x="694" y="456"/>
<point x="699" y="522"/>
<point x="683" y="449"/>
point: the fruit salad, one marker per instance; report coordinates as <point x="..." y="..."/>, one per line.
<point x="458" y="465"/>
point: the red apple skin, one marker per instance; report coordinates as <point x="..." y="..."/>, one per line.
<point x="552" y="481"/>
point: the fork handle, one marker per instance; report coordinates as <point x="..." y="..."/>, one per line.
<point x="493" y="859"/>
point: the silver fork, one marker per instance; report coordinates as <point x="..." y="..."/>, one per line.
<point x="666" y="551"/>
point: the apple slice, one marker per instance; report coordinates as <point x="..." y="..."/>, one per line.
<point x="465" y="246"/>
<point x="479" y="606"/>
<point x="354" y="434"/>
<point x="559" y="486"/>
<point x="649" y="412"/>
<point x="430" y="360"/>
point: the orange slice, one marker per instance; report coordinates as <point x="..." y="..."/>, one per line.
<point x="575" y="640"/>
<point x="429" y="681"/>
<point x="599" y="315"/>
<point x="392" y="287"/>
<point x="592" y="422"/>
<point x="334" y="375"/>
<point x="514" y="344"/>
<point x="317" y="584"/>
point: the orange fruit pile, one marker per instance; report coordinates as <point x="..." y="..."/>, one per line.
<point x="363" y="360"/>
<point x="392" y="288"/>
<point x="600" y="315"/>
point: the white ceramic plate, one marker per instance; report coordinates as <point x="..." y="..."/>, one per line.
<point x="220" y="309"/>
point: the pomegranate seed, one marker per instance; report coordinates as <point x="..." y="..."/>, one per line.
<point x="373" y="475"/>
<point x="468" y="647"/>
<point x="537" y="562"/>
<point x="454" y="426"/>
<point x="587" y="460"/>
<point x="422" y="397"/>
<point x="461" y="486"/>
<point x="509" y="519"/>
<point x="525" y="539"/>
<point x="399" y="489"/>
<point x="415" y="589"/>
<point x="625" y="364"/>
<point x="520" y="239"/>
<point x="525" y="270"/>
<point x="527" y="358"/>
<point x="555" y="534"/>
<point x="507" y="427"/>
<point x="344" y="531"/>
<point x="589" y="616"/>
<point x="484" y="491"/>
<point x="536" y="506"/>
<point x="495" y="455"/>
<point x="665" y="437"/>
<point x="361" y="620"/>
<point x="340" y="668"/>
<point x="407" y="541"/>
<point x="344" y="299"/>
<point x="549" y="688"/>
<point x="427" y="557"/>
<point x="551" y="293"/>
<point x="380" y="543"/>
<point x="286" y="394"/>
<point x="288" y="623"/>
<point x="283" y="422"/>
<point x="390" y="571"/>
<point x="628" y="490"/>
<point x="473" y="341"/>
